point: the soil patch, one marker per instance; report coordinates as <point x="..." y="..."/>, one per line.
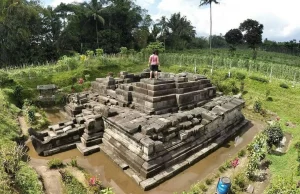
<point x="23" y="125"/>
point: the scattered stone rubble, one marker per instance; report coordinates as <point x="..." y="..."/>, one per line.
<point x="152" y="129"/>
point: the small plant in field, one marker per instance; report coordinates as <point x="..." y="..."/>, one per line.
<point x="107" y="191"/>
<point x="55" y="163"/>
<point x="74" y="162"/>
<point x="257" y="107"/>
<point x="227" y="164"/>
<point x="268" y="93"/>
<point x="284" y="85"/>
<point x="297" y="145"/>
<point x="99" y="52"/>
<point x="298" y="170"/>
<point x="241" y="153"/>
<point x="269" y="98"/>
<point x="217" y="175"/>
<point x="222" y="169"/>
<point x="240" y="76"/>
<point x="208" y="181"/>
<point x="203" y="187"/>
<point x="260" y="79"/>
<point x="242" y="87"/>
<point x="239" y="183"/>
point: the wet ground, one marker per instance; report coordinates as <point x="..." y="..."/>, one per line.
<point x="56" y="115"/>
<point x="111" y="175"/>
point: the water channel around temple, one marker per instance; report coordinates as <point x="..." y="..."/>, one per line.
<point x="100" y="165"/>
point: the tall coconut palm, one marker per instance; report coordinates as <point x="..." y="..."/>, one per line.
<point x="95" y="9"/>
<point x="209" y="2"/>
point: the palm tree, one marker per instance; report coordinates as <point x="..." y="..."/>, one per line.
<point x="206" y="2"/>
<point x="95" y="9"/>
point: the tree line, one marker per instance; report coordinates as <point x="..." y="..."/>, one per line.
<point x="31" y="33"/>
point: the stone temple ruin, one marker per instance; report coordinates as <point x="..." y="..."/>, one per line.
<point x="152" y="129"/>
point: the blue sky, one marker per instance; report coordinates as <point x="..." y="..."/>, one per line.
<point x="280" y="19"/>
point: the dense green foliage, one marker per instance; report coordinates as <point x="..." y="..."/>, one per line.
<point x="274" y="135"/>
<point x="72" y="185"/>
<point x="28" y="181"/>
<point x="55" y="163"/>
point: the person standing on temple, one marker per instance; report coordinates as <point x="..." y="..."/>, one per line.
<point x="154" y="63"/>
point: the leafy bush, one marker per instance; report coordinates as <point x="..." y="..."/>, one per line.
<point x="269" y="98"/>
<point x="222" y="169"/>
<point x="260" y="79"/>
<point x="208" y="181"/>
<point x="240" y="76"/>
<point x="239" y="183"/>
<point x="72" y="185"/>
<point x="283" y="85"/>
<point x="99" y="52"/>
<point x="257" y="107"/>
<point x="28" y="180"/>
<point x="203" y="187"/>
<point x="123" y="50"/>
<point x="227" y="164"/>
<point x="298" y="170"/>
<point x="228" y="86"/>
<point x="74" y="162"/>
<point x="241" y="153"/>
<point x="55" y="163"/>
<point x="274" y="135"/>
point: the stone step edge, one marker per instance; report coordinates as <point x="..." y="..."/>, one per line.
<point x="120" y="162"/>
<point x="147" y="184"/>
<point x="87" y="150"/>
<point x="175" y="169"/>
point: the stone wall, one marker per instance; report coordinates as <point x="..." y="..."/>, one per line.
<point x="151" y="144"/>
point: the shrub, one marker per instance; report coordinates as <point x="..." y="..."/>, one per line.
<point x="208" y="181"/>
<point x="222" y="169"/>
<point x="242" y="86"/>
<point x="28" y="180"/>
<point x="260" y="79"/>
<point x="257" y="107"/>
<point x="240" y="76"/>
<point x="99" y="52"/>
<point x="241" y="153"/>
<point x="123" y="50"/>
<point x="74" y="162"/>
<point x="203" y="187"/>
<point x="267" y="93"/>
<point x="269" y="98"/>
<point x="298" y="170"/>
<point x="297" y="145"/>
<point x="283" y="85"/>
<point x="227" y="164"/>
<point x="274" y="135"/>
<point x="55" y="163"/>
<point x="239" y="183"/>
<point x="73" y="186"/>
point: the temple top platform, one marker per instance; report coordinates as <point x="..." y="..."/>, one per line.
<point x="168" y="94"/>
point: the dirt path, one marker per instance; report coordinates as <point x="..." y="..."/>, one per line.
<point x="23" y="125"/>
<point x="51" y="178"/>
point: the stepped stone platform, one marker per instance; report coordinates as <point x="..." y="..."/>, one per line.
<point x="152" y="129"/>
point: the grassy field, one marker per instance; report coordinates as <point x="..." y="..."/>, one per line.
<point x="68" y="70"/>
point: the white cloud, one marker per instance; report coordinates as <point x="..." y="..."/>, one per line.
<point x="145" y="3"/>
<point x="57" y="2"/>
<point x="280" y="19"/>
